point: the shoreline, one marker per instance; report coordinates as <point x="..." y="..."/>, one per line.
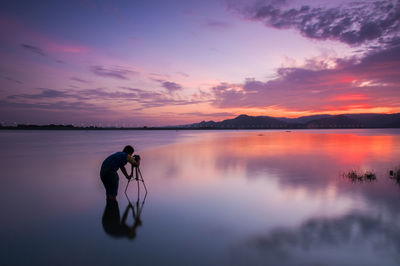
<point x="67" y="128"/>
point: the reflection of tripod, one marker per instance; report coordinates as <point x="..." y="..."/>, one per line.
<point x="139" y="207"/>
<point x="138" y="177"/>
<point x="136" y="209"/>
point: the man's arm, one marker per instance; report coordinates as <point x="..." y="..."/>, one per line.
<point x="123" y="170"/>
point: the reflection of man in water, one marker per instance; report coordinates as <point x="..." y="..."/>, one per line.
<point x="110" y="166"/>
<point x="112" y="224"/>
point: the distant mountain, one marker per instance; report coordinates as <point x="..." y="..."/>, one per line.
<point x="314" y="121"/>
<point x="303" y="119"/>
<point x="377" y="120"/>
<point x="243" y="121"/>
<point x="336" y="121"/>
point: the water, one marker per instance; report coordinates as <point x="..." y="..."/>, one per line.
<point x="215" y="198"/>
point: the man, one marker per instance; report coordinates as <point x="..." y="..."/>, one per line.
<point x="110" y="166"/>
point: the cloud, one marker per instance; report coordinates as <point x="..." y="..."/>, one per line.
<point x="372" y="81"/>
<point x="33" y="49"/>
<point x="79" y="80"/>
<point x="45" y="93"/>
<point x="116" y="72"/>
<point x="171" y="86"/>
<point x="353" y="23"/>
<point x="103" y="94"/>
<point x="147" y="99"/>
<point x="86" y="94"/>
<point x="57" y="105"/>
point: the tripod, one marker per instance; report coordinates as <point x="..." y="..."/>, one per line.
<point x="137" y="208"/>
<point x="138" y="177"/>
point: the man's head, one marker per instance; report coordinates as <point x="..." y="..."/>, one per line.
<point x="129" y="149"/>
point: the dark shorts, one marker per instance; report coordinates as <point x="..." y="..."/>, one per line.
<point x="110" y="180"/>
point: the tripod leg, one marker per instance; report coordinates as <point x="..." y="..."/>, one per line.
<point x="137" y="178"/>
<point x="141" y="177"/>
<point x="127" y="184"/>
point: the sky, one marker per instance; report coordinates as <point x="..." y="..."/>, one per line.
<point x="172" y="62"/>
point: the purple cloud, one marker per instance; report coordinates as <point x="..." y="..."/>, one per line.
<point x="113" y="72"/>
<point x="146" y="99"/>
<point x="150" y="99"/>
<point x="33" y="49"/>
<point x="171" y="86"/>
<point x="353" y="23"/>
<point x="79" y="80"/>
<point x="58" y="105"/>
<point x="45" y="93"/>
<point x="371" y="82"/>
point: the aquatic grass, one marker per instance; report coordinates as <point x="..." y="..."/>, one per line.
<point x="395" y="175"/>
<point x="359" y="176"/>
<point x="370" y="176"/>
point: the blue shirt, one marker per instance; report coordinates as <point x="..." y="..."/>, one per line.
<point x="115" y="161"/>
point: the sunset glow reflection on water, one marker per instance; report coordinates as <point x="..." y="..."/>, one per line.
<point x="215" y="197"/>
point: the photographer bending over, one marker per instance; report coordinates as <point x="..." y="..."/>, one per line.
<point x="110" y="166"/>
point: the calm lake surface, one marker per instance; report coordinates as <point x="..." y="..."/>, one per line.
<point x="214" y="198"/>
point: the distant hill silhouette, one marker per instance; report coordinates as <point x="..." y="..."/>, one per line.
<point x="244" y="121"/>
<point x="303" y="119"/>
<point x="337" y="121"/>
<point x="254" y="122"/>
<point x="314" y="121"/>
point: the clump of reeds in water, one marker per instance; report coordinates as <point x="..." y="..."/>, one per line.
<point x="360" y="176"/>
<point x="395" y="175"/>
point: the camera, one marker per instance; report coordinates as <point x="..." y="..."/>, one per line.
<point x="136" y="158"/>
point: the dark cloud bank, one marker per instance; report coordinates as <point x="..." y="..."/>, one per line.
<point x="353" y="23"/>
